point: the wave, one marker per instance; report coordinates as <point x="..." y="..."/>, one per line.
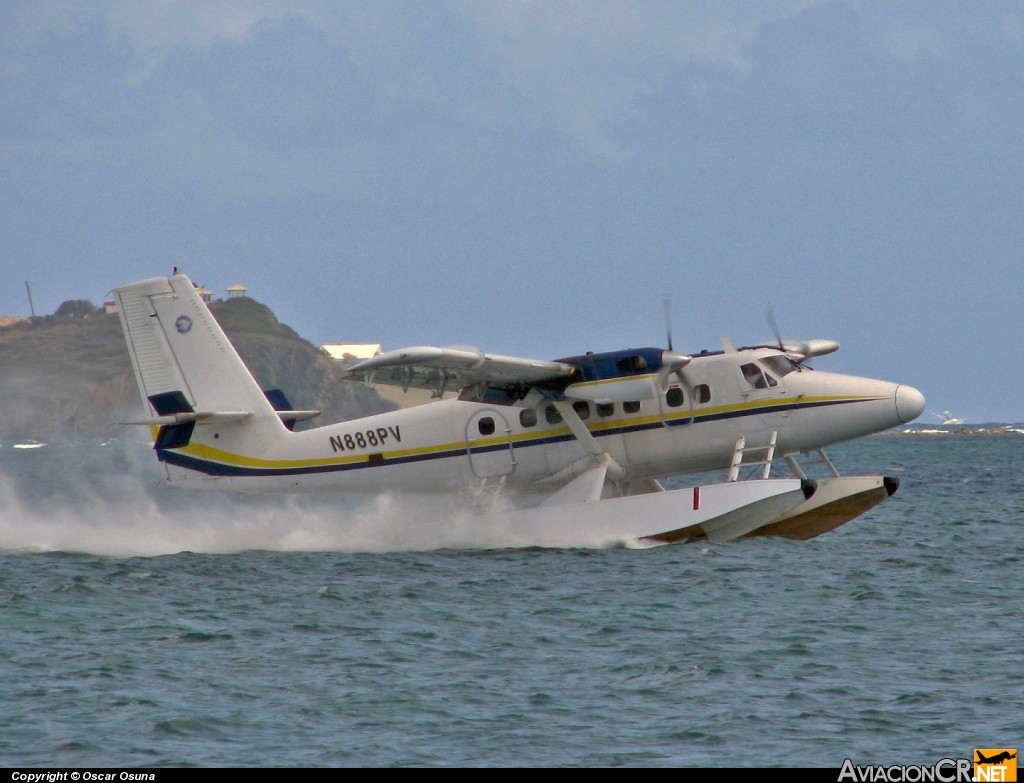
<point x="106" y="498"/>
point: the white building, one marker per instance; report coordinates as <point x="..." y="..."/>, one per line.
<point x="350" y="353"/>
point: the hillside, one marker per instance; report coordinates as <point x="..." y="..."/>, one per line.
<point x="68" y="375"/>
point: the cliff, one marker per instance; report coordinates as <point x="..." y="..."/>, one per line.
<point x="68" y="375"/>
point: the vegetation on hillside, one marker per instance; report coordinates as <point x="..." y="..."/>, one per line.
<point x="69" y="375"/>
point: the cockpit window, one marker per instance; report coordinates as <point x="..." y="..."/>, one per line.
<point x="780" y="365"/>
<point x="756" y="377"/>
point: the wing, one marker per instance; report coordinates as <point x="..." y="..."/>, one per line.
<point x="452" y="369"/>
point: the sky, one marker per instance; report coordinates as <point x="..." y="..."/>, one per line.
<point x="533" y="177"/>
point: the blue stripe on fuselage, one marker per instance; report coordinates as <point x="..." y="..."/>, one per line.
<point x="221" y="469"/>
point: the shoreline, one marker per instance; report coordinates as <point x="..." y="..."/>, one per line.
<point x="983" y="429"/>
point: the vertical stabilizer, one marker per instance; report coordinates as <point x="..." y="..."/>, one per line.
<point x="185" y="366"/>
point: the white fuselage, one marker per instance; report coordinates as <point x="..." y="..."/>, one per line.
<point x="528" y="446"/>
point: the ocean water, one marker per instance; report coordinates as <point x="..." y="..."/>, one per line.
<point x="142" y="626"/>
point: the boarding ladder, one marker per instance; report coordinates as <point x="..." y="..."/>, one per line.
<point x="741" y="449"/>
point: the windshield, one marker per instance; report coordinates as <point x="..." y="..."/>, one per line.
<point x="780" y="365"/>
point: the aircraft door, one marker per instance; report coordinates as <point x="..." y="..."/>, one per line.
<point x="489" y="444"/>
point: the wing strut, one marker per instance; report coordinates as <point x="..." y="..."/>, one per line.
<point x="614" y="472"/>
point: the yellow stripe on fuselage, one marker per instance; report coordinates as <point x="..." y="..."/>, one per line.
<point x="211" y="453"/>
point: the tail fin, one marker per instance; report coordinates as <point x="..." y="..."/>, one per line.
<point x="189" y="373"/>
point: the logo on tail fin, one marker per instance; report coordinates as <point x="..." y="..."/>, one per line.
<point x="183" y="324"/>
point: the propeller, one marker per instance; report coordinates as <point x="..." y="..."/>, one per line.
<point x="769" y="313"/>
<point x="671" y="360"/>
<point x="799" y="350"/>
<point x="797" y="357"/>
<point x="666" y="313"/>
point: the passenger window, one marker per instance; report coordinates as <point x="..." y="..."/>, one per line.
<point x="486" y="426"/>
<point x="674" y="397"/>
<point x="552" y="415"/>
<point x="605" y="409"/>
<point x="582" y="408"/>
<point x="528" y="417"/>
<point x="631" y="406"/>
<point x="702" y="393"/>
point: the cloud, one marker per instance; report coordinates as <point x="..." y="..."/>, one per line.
<point x="586" y="67"/>
<point x="582" y="69"/>
<point x="243" y="97"/>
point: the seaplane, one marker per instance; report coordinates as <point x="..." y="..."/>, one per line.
<point x="577" y="448"/>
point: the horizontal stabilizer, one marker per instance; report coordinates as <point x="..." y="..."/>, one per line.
<point x="297" y="415"/>
<point x="284" y="409"/>
<point x="206" y="417"/>
<point x="217" y="417"/>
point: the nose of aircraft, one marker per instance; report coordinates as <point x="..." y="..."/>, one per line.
<point x="909" y="403"/>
